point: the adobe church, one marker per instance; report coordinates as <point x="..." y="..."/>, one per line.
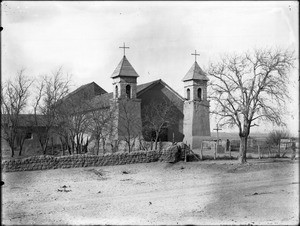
<point x="193" y="124"/>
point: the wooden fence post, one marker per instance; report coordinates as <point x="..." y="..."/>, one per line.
<point x="201" y="151"/>
<point x="215" y="154"/>
<point x="184" y="153"/>
<point x="279" y="148"/>
<point x="293" y="150"/>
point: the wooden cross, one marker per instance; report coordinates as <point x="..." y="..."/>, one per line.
<point x="124" y="47"/>
<point x="218" y="128"/>
<point x="195" y="54"/>
<point x="217" y="144"/>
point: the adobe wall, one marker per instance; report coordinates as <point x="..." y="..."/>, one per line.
<point x="158" y="93"/>
<point x="73" y="161"/>
<point x="201" y="125"/>
<point x="196" y="126"/>
<point x="30" y="144"/>
<point x="127" y="118"/>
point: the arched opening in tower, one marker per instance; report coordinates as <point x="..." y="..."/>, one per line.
<point x="200" y="94"/>
<point x="188" y="94"/>
<point x="128" y="91"/>
<point x="117" y="91"/>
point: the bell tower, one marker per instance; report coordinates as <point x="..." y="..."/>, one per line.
<point x="196" y="126"/>
<point x="124" y="103"/>
<point x="124" y="80"/>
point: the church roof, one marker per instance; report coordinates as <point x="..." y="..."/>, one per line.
<point x="27" y="120"/>
<point x="124" y="69"/>
<point x="144" y="87"/>
<point x="195" y="73"/>
<point x="102" y="101"/>
<point x="86" y="91"/>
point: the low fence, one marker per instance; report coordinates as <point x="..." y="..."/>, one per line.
<point x="84" y="160"/>
<point x="254" y="149"/>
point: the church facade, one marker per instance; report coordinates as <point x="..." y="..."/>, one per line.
<point x="192" y="111"/>
<point x="130" y="103"/>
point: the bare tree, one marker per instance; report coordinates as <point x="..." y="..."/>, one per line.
<point x="158" y="116"/>
<point x="14" y="99"/>
<point x="49" y="91"/>
<point x="37" y="105"/>
<point x="250" y="87"/>
<point x="78" y="128"/>
<point x="101" y="126"/>
<point x="63" y="132"/>
<point x="21" y="136"/>
<point x="72" y="119"/>
<point x="129" y="124"/>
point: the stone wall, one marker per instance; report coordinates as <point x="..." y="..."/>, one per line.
<point x="73" y="161"/>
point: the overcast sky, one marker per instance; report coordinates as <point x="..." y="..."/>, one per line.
<point x="84" y="38"/>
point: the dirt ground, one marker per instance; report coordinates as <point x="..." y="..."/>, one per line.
<point x="209" y="192"/>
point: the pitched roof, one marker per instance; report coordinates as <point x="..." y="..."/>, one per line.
<point x="26" y="120"/>
<point x="143" y="87"/>
<point x="195" y="73"/>
<point x="91" y="89"/>
<point x="124" y="68"/>
<point x="102" y="101"/>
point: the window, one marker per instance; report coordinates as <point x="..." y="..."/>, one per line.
<point x="28" y="136"/>
<point x="128" y="91"/>
<point x="200" y="94"/>
<point x="188" y="94"/>
<point x="117" y="92"/>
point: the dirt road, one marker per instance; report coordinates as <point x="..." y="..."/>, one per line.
<point x="212" y="192"/>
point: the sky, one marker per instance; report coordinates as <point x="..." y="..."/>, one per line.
<point x="84" y="38"/>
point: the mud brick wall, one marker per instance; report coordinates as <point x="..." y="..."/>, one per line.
<point x="73" y="161"/>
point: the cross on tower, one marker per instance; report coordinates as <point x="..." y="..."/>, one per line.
<point x="124" y="47"/>
<point x="195" y="54"/>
